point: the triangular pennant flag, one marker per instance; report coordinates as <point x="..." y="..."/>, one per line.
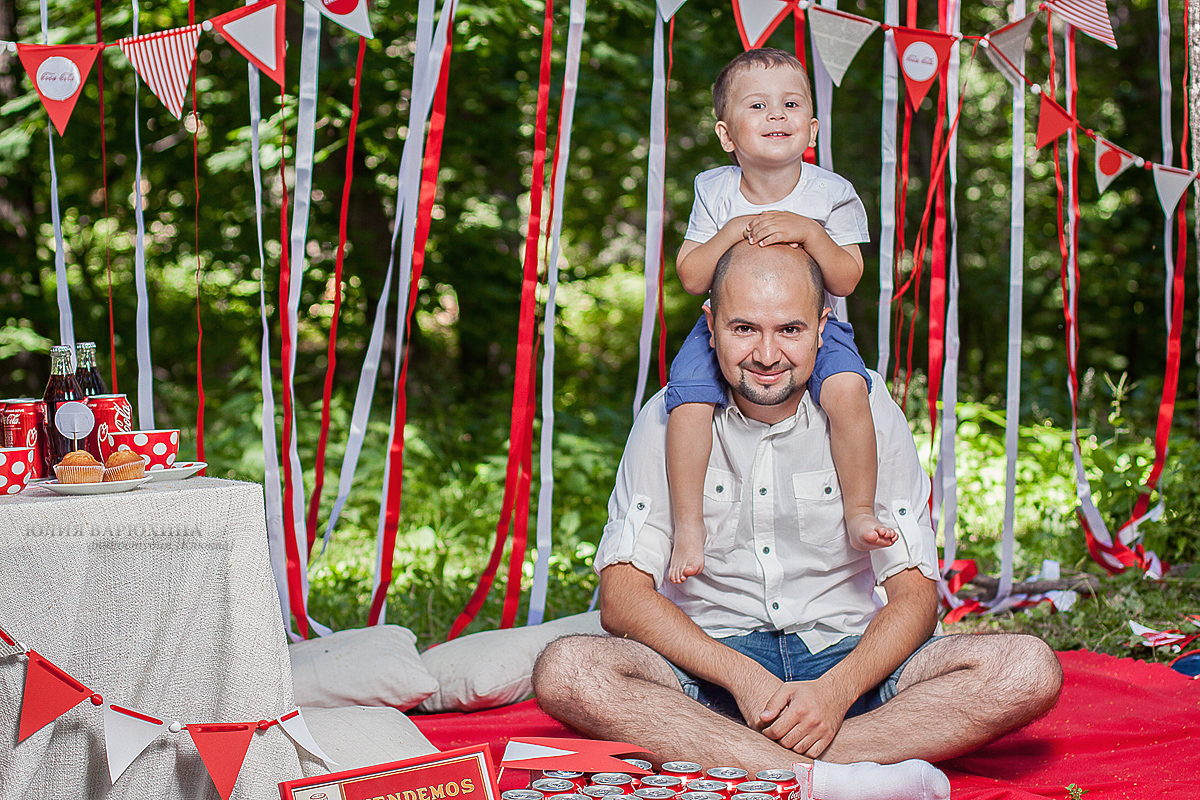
<point x="164" y="61"/>
<point x="8" y="640"/>
<point x="758" y="19"/>
<point x="1171" y="183"/>
<point x="223" y="749"/>
<point x="49" y="693"/>
<point x="667" y="8"/>
<point x="257" y="33"/>
<point x="1005" y="46"/>
<point x="1089" y="16"/>
<point x="838" y="37"/>
<point x="1111" y="161"/>
<point x="58" y="73"/>
<point x="922" y="54"/>
<point x="294" y="726"/>
<point x="1053" y="122"/>
<point x="579" y="755"/>
<point x="126" y="734"/>
<point x="350" y="14"/>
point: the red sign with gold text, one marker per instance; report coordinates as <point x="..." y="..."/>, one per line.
<point x="463" y="774"/>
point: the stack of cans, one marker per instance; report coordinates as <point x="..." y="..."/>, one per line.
<point x="675" y="780"/>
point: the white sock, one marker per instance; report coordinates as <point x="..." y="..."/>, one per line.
<point x="866" y="780"/>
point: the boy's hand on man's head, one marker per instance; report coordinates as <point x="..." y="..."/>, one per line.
<point x="779" y="227"/>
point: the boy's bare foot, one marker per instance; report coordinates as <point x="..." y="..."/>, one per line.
<point x="867" y="533"/>
<point x="687" y="555"/>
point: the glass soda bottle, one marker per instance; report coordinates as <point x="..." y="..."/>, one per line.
<point x="61" y="388"/>
<point x="86" y="373"/>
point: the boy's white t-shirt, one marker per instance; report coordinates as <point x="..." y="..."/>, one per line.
<point x="820" y="195"/>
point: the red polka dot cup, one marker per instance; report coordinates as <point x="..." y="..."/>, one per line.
<point x="16" y="468"/>
<point x="157" y="448"/>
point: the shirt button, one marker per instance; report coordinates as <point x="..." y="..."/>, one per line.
<point x="775" y="606"/>
<point x="828" y="490"/>
<point x="903" y="511"/>
<point x="720" y="488"/>
<point x="763" y="490"/>
<point x="642" y="506"/>
<point x="766" y="549"/>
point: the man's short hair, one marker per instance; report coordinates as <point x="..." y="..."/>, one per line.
<point x="725" y="262"/>
<point x="766" y="57"/>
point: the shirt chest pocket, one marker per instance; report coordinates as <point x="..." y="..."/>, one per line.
<point x="722" y="494"/>
<point x="819" y="509"/>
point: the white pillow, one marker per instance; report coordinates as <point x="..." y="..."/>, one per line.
<point x="356" y="736"/>
<point x="494" y="668"/>
<point x="376" y="666"/>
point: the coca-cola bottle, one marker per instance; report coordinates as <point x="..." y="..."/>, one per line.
<point x="86" y="372"/>
<point x="61" y="388"/>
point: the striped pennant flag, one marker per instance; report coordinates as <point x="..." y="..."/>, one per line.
<point x="1089" y="16"/>
<point x="164" y="61"/>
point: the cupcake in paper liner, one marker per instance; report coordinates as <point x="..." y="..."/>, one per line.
<point x="124" y="465"/>
<point x="79" y="466"/>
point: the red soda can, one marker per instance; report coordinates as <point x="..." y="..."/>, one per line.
<point x="706" y="785"/>
<point x="785" y="779"/>
<point x="577" y="779"/>
<point x="639" y="763"/>
<point x="672" y="782"/>
<point x="699" y="796"/>
<point x="755" y="796"/>
<point x="22" y="428"/>
<point x="621" y="780"/>
<point x="684" y="770"/>
<point x="521" y="794"/>
<point x="757" y="787"/>
<point x="601" y="790"/>
<point x="552" y="786"/>
<point x="654" y="793"/>
<point x="113" y="413"/>
<point x="730" y="776"/>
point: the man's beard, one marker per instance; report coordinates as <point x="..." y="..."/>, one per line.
<point x="766" y="396"/>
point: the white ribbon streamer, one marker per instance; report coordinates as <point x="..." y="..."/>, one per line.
<point x="145" y="381"/>
<point x="1168" y="159"/>
<point x="66" y="321"/>
<point x="656" y="170"/>
<point x="823" y="84"/>
<point x="562" y="155"/>
<point x="887" y="180"/>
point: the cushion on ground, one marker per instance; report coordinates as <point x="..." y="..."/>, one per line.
<point x="1124" y="730"/>
<point x="358" y="736"/>
<point x="377" y="666"/>
<point x="493" y="668"/>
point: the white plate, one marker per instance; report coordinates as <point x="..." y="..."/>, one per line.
<point x="103" y="487"/>
<point x="184" y="469"/>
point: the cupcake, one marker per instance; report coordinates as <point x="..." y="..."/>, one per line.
<point x="123" y="465"/>
<point x="79" y="466"/>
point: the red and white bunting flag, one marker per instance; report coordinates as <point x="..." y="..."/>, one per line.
<point x="164" y="61"/>
<point x="1053" y="122"/>
<point x="579" y="755"/>
<point x="758" y="19"/>
<point x="58" y="73"/>
<point x="922" y="54"/>
<point x="126" y="734"/>
<point x="1171" y="183"/>
<point x="1089" y="16"/>
<point x="1005" y="47"/>
<point x="838" y="37"/>
<point x="49" y="693"/>
<point x="257" y="33"/>
<point x="1111" y="161"/>
<point x="350" y="14"/>
<point x="667" y="8"/>
<point x="293" y="725"/>
<point x="223" y="748"/>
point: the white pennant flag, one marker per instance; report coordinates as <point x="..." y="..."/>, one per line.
<point x="1111" y="161"/>
<point x="667" y="8"/>
<point x="1005" y="47"/>
<point x="350" y="14"/>
<point x="838" y="38"/>
<point x="1171" y="182"/>
<point x="126" y="734"/>
<point x="1090" y="16"/>
<point x="756" y="19"/>
<point x="294" y="726"/>
<point x="164" y="61"/>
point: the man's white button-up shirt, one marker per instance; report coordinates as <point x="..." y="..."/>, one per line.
<point x="777" y="556"/>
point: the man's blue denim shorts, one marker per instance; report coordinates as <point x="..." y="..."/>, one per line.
<point x="787" y="657"/>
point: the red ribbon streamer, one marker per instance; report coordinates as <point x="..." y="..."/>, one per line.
<point x="314" y="500"/>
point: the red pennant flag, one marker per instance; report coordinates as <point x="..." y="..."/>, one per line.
<point x="223" y="749"/>
<point x="49" y="693"/>
<point x="1053" y="122"/>
<point x="257" y="33"/>
<point x="578" y="755"/>
<point x="164" y="61"/>
<point x="922" y="54"/>
<point x="758" y="19"/>
<point x="58" y="73"/>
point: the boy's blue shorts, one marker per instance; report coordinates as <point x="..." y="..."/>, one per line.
<point x="696" y="376"/>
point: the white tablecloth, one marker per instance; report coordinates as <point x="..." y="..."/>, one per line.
<point x="161" y="599"/>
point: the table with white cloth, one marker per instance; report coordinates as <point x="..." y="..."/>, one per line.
<point x="161" y="600"/>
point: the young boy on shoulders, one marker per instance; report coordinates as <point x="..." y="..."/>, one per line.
<point x="765" y="121"/>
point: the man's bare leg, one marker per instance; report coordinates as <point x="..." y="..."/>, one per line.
<point x="955" y="695"/>
<point x="620" y="690"/>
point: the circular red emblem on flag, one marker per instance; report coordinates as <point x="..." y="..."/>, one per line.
<point x="340" y="7"/>
<point x="1110" y="162"/>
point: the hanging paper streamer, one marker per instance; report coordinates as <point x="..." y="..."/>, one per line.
<point x="296" y="728"/>
<point x="350" y="14"/>
<point x="922" y="54"/>
<point x="758" y="19"/>
<point x="223" y="749"/>
<point x="667" y="8"/>
<point x="1089" y="16"/>
<point x="58" y="73"/>
<point x="837" y="38"/>
<point x="256" y="32"/>
<point x="887" y="179"/>
<point x="126" y="734"/>
<point x="1111" y="161"/>
<point x="164" y="61"/>
<point x="1053" y="122"/>
<point x="49" y="693"/>
<point x="1171" y="183"/>
<point x="1005" y="48"/>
